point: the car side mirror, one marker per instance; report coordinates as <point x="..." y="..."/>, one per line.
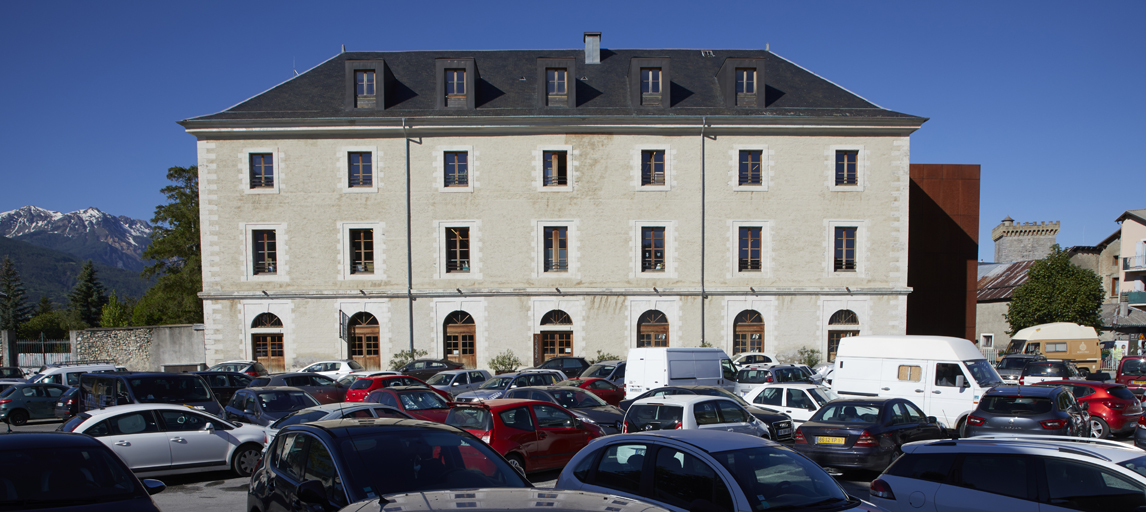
<point x="153" y="486"/>
<point x="209" y="427"/>
<point x="311" y="491"/>
<point x="249" y="410"/>
<point x="961" y="382"/>
<point x="932" y="420"/>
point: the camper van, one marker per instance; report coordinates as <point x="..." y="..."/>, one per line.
<point x="943" y="376"/>
<point x="1060" y="341"/>
<point x="656" y="367"/>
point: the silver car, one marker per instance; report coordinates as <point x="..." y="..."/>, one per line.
<point x="496" y="386"/>
<point x="456" y="382"/>
<point x="1028" y="410"/>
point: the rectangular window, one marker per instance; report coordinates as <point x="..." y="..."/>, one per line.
<point x="554" y="169"/>
<point x="652" y="168"/>
<point x="988" y="341"/>
<point x="556" y="81"/>
<point x="1114" y="287"/>
<point x="262" y="170"/>
<point x="361" y="170"/>
<point x="1056" y="347"/>
<point x="749" y="256"/>
<point x="846" y="168"/>
<point x="653" y="249"/>
<point x="650" y="86"/>
<point x="364" y="96"/>
<point x="912" y="373"/>
<point x="556" y="249"/>
<point x="455" y="87"/>
<point x="457" y="169"/>
<point x="845" y="247"/>
<point x="457" y="250"/>
<point x="265" y="253"/>
<point x="362" y="251"/>
<point x="745" y="87"/>
<point x="750" y="170"/>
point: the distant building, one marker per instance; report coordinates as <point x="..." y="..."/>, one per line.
<point x="1022" y="242"/>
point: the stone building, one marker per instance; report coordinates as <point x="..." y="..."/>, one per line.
<point x="1022" y="242"/>
<point x="550" y="202"/>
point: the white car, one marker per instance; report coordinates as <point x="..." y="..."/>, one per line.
<point x="162" y="439"/>
<point x="796" y="399"/>
<point x="1014" y="474"/>
<point x="689" y="412"/>
<point x="334" y="368"/>
<point x="753" y="358"/>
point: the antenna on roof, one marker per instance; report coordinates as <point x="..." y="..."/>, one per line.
<point x="294" y="67"/>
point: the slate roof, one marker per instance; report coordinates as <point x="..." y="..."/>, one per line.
<point x="997" y="281"/>
<point x="789" y="91"/>
<point x="1111" y="319"/>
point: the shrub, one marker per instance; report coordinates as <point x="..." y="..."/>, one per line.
<point x="808" y="356"/>
<point x="602" y="356"/>
<point x="404" y="357"/>
<point x="505" y="362"/>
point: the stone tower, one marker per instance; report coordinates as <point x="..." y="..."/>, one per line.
<point x="1023" y="242"/>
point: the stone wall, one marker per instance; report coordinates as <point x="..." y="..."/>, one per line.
<point x="1023" y="241"/>
<point x="147" y="348"/>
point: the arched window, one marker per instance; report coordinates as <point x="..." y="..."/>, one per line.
<point x="461" y="334"/>
<point x="556" y="317"/>
<point x="748" y="332"/>
<point x="267" y="341"/>
<point x="652" y="329"/>
<point x="363" y="340"/>
<point x="266" y="320"/>
<point x="842" y="324"/>
<point x="556" y="337"/>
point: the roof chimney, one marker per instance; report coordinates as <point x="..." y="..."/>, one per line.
<point x="592" y="47"/>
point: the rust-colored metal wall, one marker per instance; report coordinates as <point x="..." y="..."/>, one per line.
<point x="943" y="250"/>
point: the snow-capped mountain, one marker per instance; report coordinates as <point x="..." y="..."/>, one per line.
<point x="87" y="234"/>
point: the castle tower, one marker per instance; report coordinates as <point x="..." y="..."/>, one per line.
<point x="1023" y="242"/>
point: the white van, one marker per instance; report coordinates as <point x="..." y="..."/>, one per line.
<point x="68" y="374"/>
<point x="651" y="368"/>
<point x="943" y="376"/>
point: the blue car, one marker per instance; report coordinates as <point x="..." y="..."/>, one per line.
<point x="23" y="402"/>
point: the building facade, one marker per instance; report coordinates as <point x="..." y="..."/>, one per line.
<point x="550" y="202"/>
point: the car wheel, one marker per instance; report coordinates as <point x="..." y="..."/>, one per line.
<point x="246" y="459"/>
<point x="1098" y="428"/>
<point x="18" y="417"/>
<point x="961" y="427"/>
<point x="515" y="461"/>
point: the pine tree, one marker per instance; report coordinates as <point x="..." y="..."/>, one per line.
<point x="174" y="250"/>
<point x="14" y="308"/>
<point x="44" y="306"/>
<point x="87" y="298"/>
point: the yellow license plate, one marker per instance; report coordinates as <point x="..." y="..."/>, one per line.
<point x="829" y="440"/>
<point x="1140" y="382"/>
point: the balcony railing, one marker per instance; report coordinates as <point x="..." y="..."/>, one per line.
<point x="1135" y="298"/>
<point x="1134" y="262"/>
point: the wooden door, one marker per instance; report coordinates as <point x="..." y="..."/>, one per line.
<point x="461" y="339"/>
<point x="363" y="341"/>
<point x="268" y="350"/>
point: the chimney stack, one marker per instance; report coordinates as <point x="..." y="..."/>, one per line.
<point x="592" y="47"/>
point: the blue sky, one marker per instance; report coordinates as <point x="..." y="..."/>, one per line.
<point x="1046" y="96"/>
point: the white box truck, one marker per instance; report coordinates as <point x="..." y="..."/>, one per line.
<point x="943" y="376"/>
<point x="655" y="367"/>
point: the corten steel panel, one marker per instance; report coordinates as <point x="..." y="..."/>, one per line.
<point x="943" y="249"/>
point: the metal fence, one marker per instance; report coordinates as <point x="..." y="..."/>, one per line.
<point x="37" y="353"/>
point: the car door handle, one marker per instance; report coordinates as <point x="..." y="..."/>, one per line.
<point x="885" y="389"/>
<point x="122" y="443"/>
<point x="919" y="391"/>
<point x="542" y="435"/>
<point x="176" y="439"/>
<point x="937" y="392"/>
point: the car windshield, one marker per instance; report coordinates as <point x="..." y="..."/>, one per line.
<point x="570" y="383"/>
<point x="473" y="418"/>
<point x="601" y="371"/>
<point x="1045" y="370"/>
<point x="285" y="401"/>
<point x="422" y="400"/>
<point x="64" y="477"/>
<point x="778" y="478"/>
<point x="420" y="460"/>
<point x="440" y="379"/>
<point x="497" y="383"/>
<point x="1014" y="363"/>
<point x="571" y="399"/>
<point x="847" y="412"/>
<point x="1134" y="366"/>
<point x="170" y="390"/>
<point x="1015" y="405"/>
<point x="983" y="373"/>
<point x="823" y="395"/>
<point x="297" y="417"/>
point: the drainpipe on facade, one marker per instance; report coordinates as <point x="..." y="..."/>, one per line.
<point x="409" y="247"/>
<point x="703" y="295"/>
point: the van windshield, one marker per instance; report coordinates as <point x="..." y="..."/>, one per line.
<point x="169" y="390"/>
<point x="983" y="373"/>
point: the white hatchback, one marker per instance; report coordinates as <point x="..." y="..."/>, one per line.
<point x="703" y="412"/>
<point x="334" y="369"/>
<point x="798" y="400"/>
<point x="161" y="439"/>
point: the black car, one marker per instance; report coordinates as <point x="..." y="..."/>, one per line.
<point x="426" y="368"/>
<point x="262" y="406"/>
<point x="58" y="471"/>
<point x="1028" y="410"/>
<point x="225" y="384"/>
<point x="570" y="366"/>
<point x="864" y="433"/>
<point x="779" y="424"/>
<point x="322" y="388"/>
<point x="99" y="390"/>
<point x="1011" y="366"/>
<point x="330" y="464"/>
<point x="69" y="403"/>
<point x="585" y="405"/>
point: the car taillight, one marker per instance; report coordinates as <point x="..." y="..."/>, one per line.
<point x="678" y="426"/>
<point x="252" y="374"/>
<point x="1022" y="381"/>
<point x="485" y="439"/>
<point x="800" y="437"/>
<point x="1053" y="424"/>
<point x="880" y="489"/>
<point x="866" y="440"/>
<point x="625" y="428"/>
<point x="975" y="420"/>
<point x="1114" y="405"/>
<point x="71" y="401"/>
<point x="6" y="400"/>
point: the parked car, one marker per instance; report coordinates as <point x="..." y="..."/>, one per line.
<point x="327" y="465"/>
<point x="1014" y="473"/>
<point x="690" y="470"/>
<point x="655" y="367"/>
<point x="503" y="500"/>
<point x="799" y="400"/>
<point x="68" y="374"/>
<point x="823" y="373"/>
<point x="612" y="370"/>
<point x="59" y="471"/>
<point x="496" y="386"/>
<point x="531" y="435"/>
<point x="98" y="390"/>
<point x="570" y="366"/>
<point x="1112" y="408"/>
<point x="1011" y="366"/>
<point x="252" y="368"/>
<point x="346" y="380"/>
<point x="780" y="424"/>
<point x="585" y="405"/>
<point x="416" y="401"/>
<point x="262" y="406"/>
<point x="605" y="390"/>
<point x="5" y="384"/>
<point x="864" y="433"/>
<point x="332" y="412"/>
<point x="363" y="387"/>
<point x="11" y="373"/>
<point x="1132" y="373"/>
<point x="671" y="412"/>
<point x="456" y="382"/>
<point x="748" y="379"/>
<point x="321" y="387"/>
<point x="426" y="368"/>
<point x="750" y="358"/>
<point x="1030" y="410"/>
<point x="334" y="368"/>
<point x="1041" y="371"/>
<point x="225" y="384"/>
<point x="68" y="404"/>
<point x="23" y="402"/>
<point x="164" y="439"/>
<point x="1140" y="433"/>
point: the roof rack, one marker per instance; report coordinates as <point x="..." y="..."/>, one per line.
<point x="80" y="363"/>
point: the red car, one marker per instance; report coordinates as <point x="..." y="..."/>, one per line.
<point x="605" y="390"/>
<point x="364" y="386"/>
<point x="1113" y="408"/>
<point x="1132" y="373"/>
<point x="530" y="434"/>
<point x="419" y="402"/>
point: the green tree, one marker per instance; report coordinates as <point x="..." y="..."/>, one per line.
<point x="44" y="306"/>
<point x="88" y="297"/>
<point x="52" y="325"/>
<point x="1056" y="291"/>
<point x="14" y="308"/>
<point x="175" y="252"/>
<point x="115" y="313"/>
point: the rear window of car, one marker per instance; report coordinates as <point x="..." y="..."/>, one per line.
<point x="1121" y="392"/>
<point x="599" y="370"/>
<point x="848" y="412"/>
<point x="473" y="418"/>
<point x="283" y="401"/>
<point x="932" y="467"/>
<point x="789" y="375"/>
<point x="752" y="376"/>
<point x="173" y="389"/>
<point x="1134" y="367"/>
<point x="1044" y="370"/>
<point x="354" y="365"/>
<point x="362" y="384"/>
<point x="1014" y="363"/>
<point x="654" y="417"/>
<point x="1016" y="405"/>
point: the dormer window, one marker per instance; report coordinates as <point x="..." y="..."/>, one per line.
<point x="455" y="87"/>
<point x="650" y="86"/>
<point x="365" y="84"/>
<point x="741" y="80"/>
<point x="556" y="87"/>
<point x="364" y="96"/>
<point x="746" y="87"/>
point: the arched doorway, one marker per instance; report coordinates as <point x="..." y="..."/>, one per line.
<point x="555" y="338"/>
<point x="842" y="324"/>
<point x="652" y="329"/>
<point x="461" y="337"/>
<point x="748" y="332"/>
<point x="267" y="342"/>
<point x="363" y="338"/>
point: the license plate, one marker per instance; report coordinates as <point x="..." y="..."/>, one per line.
<point x="829" y="440"/>
<point x="1140" y="382"/>
<point x="784" y="431"/>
